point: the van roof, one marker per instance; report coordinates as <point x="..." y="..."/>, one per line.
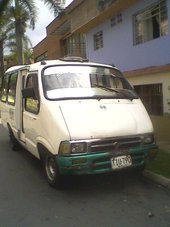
<point x="14" y="68"/>
<point x="40" y="65"/>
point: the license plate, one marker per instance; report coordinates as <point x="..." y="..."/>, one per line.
<point x="121" y="162"/>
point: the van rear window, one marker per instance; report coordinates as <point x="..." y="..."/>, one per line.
<point x="12" y="88"/>
<point x="4" y="88"/>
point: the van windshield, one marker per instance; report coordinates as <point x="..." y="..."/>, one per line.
<point x="72" y="82"/>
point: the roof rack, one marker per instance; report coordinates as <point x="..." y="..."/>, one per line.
<point x="74" y="59"/>
<point x="43" y="63"/>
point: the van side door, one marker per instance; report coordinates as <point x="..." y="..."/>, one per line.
<point x="31" y="115"/>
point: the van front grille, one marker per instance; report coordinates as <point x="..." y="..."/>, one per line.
<point x="114" y="144"/>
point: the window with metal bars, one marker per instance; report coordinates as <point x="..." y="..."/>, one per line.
<point x="74" y="45"/>
<point x="42" y="57"/>
<point x="116" y="20"/>
<point x="152" y="97"/>
<point x="151" y="23"/>
<point x="98" y="40"/>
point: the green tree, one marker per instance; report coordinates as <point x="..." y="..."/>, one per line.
<point x="56" y="5"/>
<point x="2" y="40"/>
<point x="27" y="49"/>
<point x="23" y="11"/>
<point x="22" y="14"/>
<point x="8" y="39"/>
<point x="4" y="30"/>
<point x="11" y="42"/>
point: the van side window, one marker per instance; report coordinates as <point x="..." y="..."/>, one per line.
<point x="12" y="88"/>
<point x="4" y="88"/>
<point x="32" y="104"/>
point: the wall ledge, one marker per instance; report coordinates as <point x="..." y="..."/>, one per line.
<point x="147" y="71"/>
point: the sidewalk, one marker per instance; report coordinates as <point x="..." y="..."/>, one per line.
<point x="161" y="180"/>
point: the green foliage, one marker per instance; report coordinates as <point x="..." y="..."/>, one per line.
<point x="16" y="17"/>
<point x="55" y="5"/>
<point x="161" y="163"/>
<point x="11" y="59"/>
<point x="11" y="43"/>
<point x="4" y="19"/>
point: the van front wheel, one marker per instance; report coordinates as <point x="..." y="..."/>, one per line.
<point x="52" y="172"/>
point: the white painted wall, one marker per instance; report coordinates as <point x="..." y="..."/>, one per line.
<point x="118" y="45"/>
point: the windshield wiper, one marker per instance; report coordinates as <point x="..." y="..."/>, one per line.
<point x="127" y="96"/>
<point x="105" y="88"/>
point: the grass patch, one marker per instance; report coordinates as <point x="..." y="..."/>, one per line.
<point x="161" y="164"/>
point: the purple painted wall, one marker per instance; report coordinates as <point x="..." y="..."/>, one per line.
<point x="118" y="45"/>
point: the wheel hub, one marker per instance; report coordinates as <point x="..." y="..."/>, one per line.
<point x="51" y="169"/>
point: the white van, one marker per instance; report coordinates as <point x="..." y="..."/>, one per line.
<point x="77" y="117"/>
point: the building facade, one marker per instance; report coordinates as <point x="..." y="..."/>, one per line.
<point x="133" y="35"/>
<point x="136" y="40"/>
<point x="61" y="40"/>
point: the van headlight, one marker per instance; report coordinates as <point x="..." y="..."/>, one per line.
<point x="78" y="148"/>
<point x="69" y="147"/>
<point x="147" y="139"/>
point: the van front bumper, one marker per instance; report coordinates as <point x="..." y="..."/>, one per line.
<point x="101" y="162"/>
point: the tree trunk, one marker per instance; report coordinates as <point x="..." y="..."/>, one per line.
<point x="19" y="37"/>
<point x="19" y="43"/>
<point x="1" y="59"/>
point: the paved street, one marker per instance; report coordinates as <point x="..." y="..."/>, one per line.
<point x="121" y="199"/>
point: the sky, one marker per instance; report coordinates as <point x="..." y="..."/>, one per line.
<point x="44" y="18"/>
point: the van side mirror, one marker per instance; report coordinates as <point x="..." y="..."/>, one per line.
<point x="28" y="93"/>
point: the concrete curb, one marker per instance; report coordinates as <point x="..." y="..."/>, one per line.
<point x="165" y="182"/>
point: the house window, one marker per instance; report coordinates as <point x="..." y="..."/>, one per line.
<point x="113" y="21"/>
<point x="152" y="97"/>
<point x="42" y="57"/>
<point x="75" y="46"/>
<point x="119" y="18"/>
<point x="116" y="20"/>
<point x="151" y="23"/>
<point x="98" y="40"/>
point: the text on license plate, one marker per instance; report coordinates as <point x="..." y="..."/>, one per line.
<point x="121" y="162"/>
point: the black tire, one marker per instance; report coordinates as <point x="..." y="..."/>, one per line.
<point x="53" y="176"/>
<point x="15" y="144"/>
